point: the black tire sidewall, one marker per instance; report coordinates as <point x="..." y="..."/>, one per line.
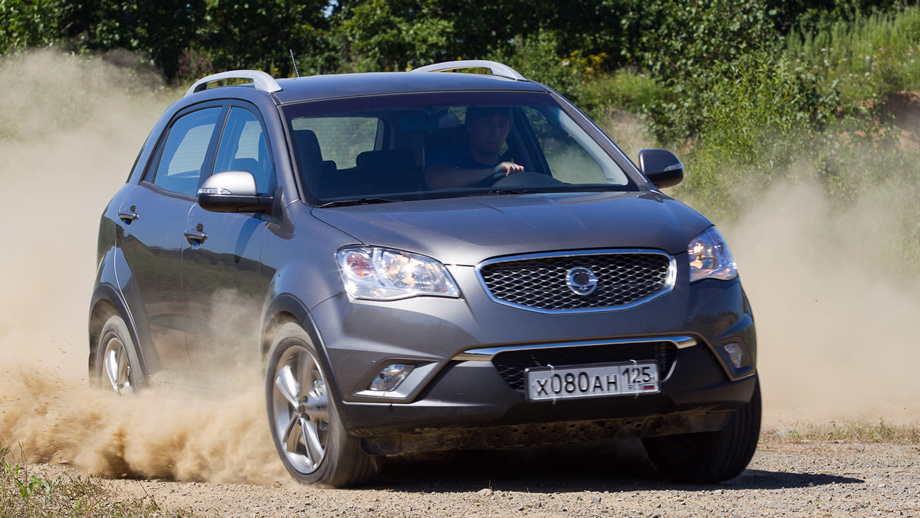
<point x="116" y="326"/>
<point x="718" y="456"/>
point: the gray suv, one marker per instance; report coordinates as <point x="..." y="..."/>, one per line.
<point x="425" y="261"/>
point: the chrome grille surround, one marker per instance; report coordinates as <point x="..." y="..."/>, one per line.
<point x="538" y="282"/>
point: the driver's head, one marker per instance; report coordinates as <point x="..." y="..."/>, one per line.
<point x="488" y="128"/>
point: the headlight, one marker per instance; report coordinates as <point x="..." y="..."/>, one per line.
<point x="710" y="257"/>
<point x="383" y="274"/>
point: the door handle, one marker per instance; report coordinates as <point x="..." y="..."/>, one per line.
<point x="196" y="235"/>
<point x="128" y="215"/>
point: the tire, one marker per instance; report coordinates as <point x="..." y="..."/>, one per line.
<point x="117" y="367"/>
<point x="303" y="418"/>
<point x="709" y="457"/>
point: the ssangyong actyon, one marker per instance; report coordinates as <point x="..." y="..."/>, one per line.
<point x="421" y="261"/>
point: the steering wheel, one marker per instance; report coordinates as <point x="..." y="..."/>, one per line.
<point x="493" y="178"/>
<point x="526" y="179"/>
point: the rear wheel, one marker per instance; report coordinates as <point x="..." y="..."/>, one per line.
<point x="706" y="458"/>
<point x="117" y="366"/>
<point x="304" y="421"/>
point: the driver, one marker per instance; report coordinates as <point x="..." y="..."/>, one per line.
<point x="477" y="163"/>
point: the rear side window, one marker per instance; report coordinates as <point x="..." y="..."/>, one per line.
<point x="185" y="150"/>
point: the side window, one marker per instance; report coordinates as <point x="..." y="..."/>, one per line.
<point x="243" y="148"/>
<point x="185" y="150"/>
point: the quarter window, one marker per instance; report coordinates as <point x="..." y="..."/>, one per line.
<point x="185" y="150"/>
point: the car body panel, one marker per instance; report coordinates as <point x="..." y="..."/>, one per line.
<point x="152" y="250"/>
<point x="224" y="285"/>
<point x="466" y="231"/>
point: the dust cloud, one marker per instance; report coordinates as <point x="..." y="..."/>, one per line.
<point x="835" y="335"/>
<point x="70" y="129"/>
<point x="836" y="332"/>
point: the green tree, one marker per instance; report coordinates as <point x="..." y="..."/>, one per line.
<point x="32" y="23"/>
<point x="160" y="29"/>
<point x="248" y="34"/>
<point x="378" y="35"/>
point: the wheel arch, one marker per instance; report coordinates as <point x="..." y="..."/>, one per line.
<point x="287" y="308"/>
<point x="283" y="309"/>
<point x="106" y="303"/>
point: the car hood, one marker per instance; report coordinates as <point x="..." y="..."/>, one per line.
<point x="466" y="231"/>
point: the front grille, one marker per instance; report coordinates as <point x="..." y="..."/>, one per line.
<point x="511" y="364"/>
<point x="540" y="282"/>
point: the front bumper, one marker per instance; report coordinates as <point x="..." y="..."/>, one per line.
<point x="458" y="398"/>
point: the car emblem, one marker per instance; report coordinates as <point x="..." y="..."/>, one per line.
<point x="581" y="281"/>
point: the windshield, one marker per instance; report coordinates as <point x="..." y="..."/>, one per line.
<point x="401" y="147"/>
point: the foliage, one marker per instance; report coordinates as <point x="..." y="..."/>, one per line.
<point x="626" y="89"/>
<point x="689" y="47"/>
<point x="160" y="30"/>
<point x="758" y="116"/>
<point x="372" y="36"/>
<point x="262" y="34"/>
<point x="868" y="57"/>
<point x="681" y="41"/>
<point x="37" y="23"/>
<point x="539" y="58"/>
<point x="817" y="15"/>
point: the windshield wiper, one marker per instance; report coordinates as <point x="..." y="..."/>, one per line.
<point x="356" y="201"/>
<point x="514" y="190"/>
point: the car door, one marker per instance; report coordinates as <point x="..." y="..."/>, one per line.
<point x="224" y="279"/>
<point x="153" y="217"/>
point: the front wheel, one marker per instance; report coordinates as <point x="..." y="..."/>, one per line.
<point x="709" y="457"/>
<point x="304" y="421"/>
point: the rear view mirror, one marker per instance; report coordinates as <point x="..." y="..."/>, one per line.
<point x="661" y="167"/>
<point x="232" y="191"/>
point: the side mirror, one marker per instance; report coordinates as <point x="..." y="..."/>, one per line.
<point x="233" y="191"/>
<point x="661" y="167"/>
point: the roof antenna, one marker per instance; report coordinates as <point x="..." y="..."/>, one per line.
<point x="296" y="73"/>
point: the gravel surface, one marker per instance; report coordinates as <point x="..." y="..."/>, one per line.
<point x="813" y="479"/>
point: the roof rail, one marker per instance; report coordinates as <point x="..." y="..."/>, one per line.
<point x="260" y="79"/>
<point x="497" y="69"/>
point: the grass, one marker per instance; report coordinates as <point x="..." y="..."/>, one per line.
<point x="845" y="431"/>
<point x="24" y="494"/>
<point x="867" y="58"/>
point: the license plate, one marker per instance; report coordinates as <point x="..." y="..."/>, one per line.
<point x="613" y="379"/>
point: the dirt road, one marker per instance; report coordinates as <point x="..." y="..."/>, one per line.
<point x="825" y="479"/>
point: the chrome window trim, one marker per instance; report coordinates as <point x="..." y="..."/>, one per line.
<point x="488" y="353"/>
<point x="668" y="286"/>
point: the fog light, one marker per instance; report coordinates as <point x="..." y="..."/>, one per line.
<point x="390" y="377"/>
<point x="734" y="354"/>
